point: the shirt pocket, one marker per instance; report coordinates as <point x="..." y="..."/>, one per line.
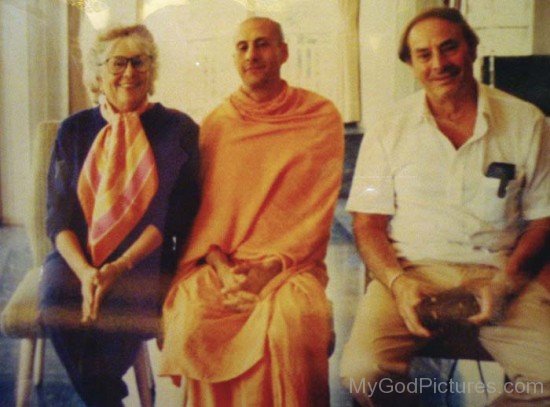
<point x="489" y="207"/>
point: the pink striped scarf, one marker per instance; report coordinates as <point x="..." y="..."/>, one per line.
<point x="117" y="182"/>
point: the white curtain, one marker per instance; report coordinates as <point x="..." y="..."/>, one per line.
<point x="34" y="87"/>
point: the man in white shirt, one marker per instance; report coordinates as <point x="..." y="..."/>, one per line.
<point x="451" y="189"/>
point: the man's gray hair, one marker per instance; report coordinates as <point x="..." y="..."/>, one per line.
<point x="442" y="13"/>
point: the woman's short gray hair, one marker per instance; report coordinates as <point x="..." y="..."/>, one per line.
<point x="104" y="43"/>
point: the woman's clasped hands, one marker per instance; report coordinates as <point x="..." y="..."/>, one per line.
<point x="96" y="282"/>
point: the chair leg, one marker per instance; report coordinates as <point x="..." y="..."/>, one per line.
<point x="39" y="361"/>
<point x="25" y="372"/>
<point x="144" y="376"/>
<point x="184" y="387"/>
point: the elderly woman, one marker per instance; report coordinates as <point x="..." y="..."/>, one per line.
<point x="122" y="195"/>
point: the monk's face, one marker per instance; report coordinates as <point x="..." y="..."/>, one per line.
<point x="259" y="53"/>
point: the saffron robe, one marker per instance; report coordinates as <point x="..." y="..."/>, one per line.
<point x="271" y="174"/>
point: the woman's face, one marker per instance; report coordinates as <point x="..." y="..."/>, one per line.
<point x="125" y="90"/>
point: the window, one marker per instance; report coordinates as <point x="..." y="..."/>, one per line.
<point x="195" y="46"/>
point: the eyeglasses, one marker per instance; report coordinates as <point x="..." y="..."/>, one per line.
<point x="117" y="65"/>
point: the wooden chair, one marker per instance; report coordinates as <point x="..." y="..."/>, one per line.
<point x="464" y="345"/>
<point x="20" y="317"/>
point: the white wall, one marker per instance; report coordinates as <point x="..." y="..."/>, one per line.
<point x="384" y="78"/>
<point x="377" y="38"/>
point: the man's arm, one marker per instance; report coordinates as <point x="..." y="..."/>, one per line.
<point x="544" y="276"/>
<point x="378" y="254"/>
<point x="525" y="262"/>
<point x="529" y="255"/>
<point x="376" y="251"/>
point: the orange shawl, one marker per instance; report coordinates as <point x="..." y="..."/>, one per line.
<point x="271" y="176"/>
<point x="117" y="182"/>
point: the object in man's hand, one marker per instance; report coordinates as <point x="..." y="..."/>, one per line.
<point x="447" y="310"/>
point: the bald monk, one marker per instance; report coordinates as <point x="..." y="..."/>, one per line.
<point x="247" y="321"/>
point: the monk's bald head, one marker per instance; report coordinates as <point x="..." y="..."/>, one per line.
<point x="266" y="23"/>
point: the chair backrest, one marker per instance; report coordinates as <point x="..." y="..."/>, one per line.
<point x="36" y="221"/>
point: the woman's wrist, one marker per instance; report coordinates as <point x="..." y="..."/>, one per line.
<point x="125" y="262"/>
<point x="85" y="271"/>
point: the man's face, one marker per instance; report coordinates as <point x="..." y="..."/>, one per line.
<point x="259" y="53"/>
<point x="440" y="58"/>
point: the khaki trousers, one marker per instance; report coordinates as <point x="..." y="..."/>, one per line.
<point x="380" y="346"/>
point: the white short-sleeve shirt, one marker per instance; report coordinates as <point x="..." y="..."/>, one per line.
<point x="442" y="203"/>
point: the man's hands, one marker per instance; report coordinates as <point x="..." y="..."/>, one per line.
<point x="258" y="273"/>
<point x="491" y="294"/>
<point x="408" y="292"/>
<point x="224" y="268"/>
<point x="242" y="282"/>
